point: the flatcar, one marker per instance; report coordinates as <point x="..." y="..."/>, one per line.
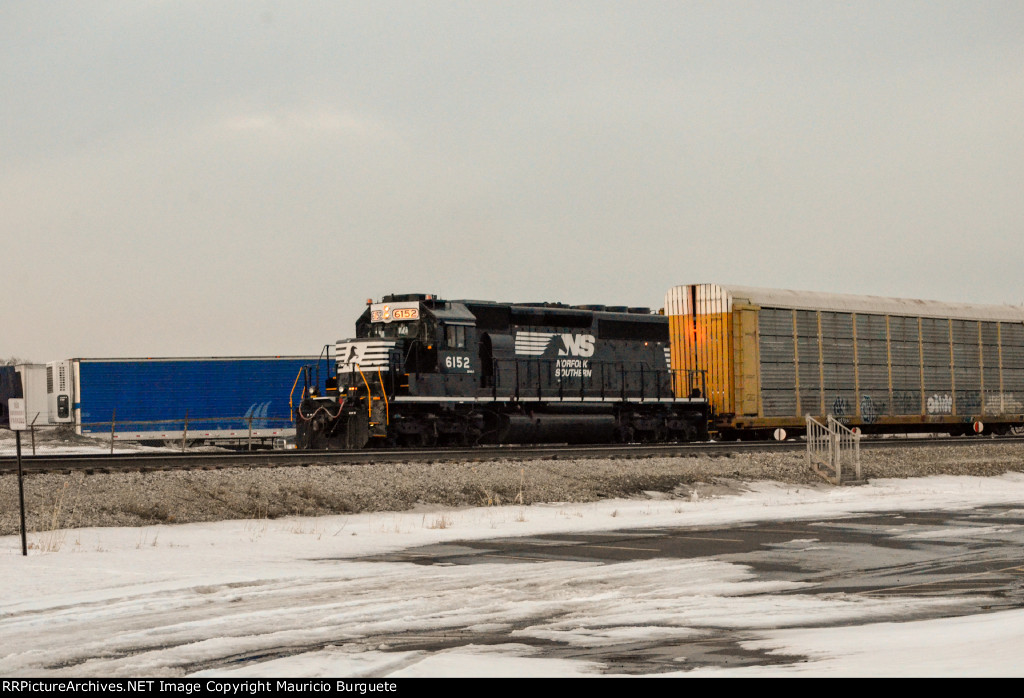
<point x="422" y="370"/>
<point x="770" y="357"/>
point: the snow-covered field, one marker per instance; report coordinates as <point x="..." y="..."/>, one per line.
<point x="289" y="597"/>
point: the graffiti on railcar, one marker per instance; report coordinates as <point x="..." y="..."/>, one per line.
<point x="939" y="404"/>
<point x="906" y="402"/>
<point x="868" y="410"/>
<point x="968" y="404"/>
<point x="840" y="410"/>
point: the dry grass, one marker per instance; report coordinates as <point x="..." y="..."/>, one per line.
<point x="52" y="540"/>
<point x="257" y="526"/>
<point x="441" y="521"/>
<point x="303" y="527"/>
<point x="144" y="540"/>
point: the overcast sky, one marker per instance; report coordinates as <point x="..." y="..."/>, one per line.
<point x="236" y="178"/>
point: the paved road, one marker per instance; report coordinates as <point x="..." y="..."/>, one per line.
<point x="975" y="557"/>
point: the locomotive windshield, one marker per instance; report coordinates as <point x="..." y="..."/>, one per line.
<point x="394" y="329"/>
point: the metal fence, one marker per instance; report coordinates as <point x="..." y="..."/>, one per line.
<point x="247" y="433"/>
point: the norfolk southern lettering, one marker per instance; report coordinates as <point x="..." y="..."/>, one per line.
<point x="573" y="368"/>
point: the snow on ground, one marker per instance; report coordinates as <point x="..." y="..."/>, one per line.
<point x="288" y="597"/>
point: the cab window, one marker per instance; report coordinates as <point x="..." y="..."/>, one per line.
<point x="455" y="337"/>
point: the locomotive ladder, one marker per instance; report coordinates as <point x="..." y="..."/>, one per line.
<point x="829" y="447"/>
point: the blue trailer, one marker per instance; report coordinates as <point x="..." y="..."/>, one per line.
<point x="221" y="400"/>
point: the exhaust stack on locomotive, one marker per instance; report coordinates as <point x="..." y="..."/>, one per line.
<point x="424" y="371"/>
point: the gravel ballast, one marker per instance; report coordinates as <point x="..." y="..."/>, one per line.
<point x="55" y="500"/>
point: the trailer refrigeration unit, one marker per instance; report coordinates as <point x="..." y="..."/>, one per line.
<point x="223" y="400"/>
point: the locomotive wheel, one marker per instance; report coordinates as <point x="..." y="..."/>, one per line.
<point x="455" y="439"/>
<point x="419" y="439"/>
<point x="686" y="434"/>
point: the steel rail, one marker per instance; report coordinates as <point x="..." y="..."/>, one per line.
<point x="185" y="460"/>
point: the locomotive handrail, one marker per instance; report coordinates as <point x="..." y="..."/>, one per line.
<point x="325" y="354"/>
<point x="369" y="393"/>
<point x="387" y="411"/>
<point x="538" y="378"/>
<point x="534" y="376"/>
<point x="291" y="395"/>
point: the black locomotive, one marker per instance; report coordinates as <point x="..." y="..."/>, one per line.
<point x="424" y="371"/>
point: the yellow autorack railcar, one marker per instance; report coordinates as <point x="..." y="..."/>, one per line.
<point x="772" y="356"/>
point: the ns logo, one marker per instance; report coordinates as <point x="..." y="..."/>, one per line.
<point x="577" y="345"/>
<point x="537" y="343"/>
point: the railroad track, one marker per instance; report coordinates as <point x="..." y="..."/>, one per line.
<point x="203" y="460"/>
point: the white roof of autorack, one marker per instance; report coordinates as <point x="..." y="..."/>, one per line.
<point x="845" y="303"/>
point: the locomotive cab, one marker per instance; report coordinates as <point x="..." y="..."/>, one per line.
<point x="406" y="347"/>
<point x="430" y="344"/>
